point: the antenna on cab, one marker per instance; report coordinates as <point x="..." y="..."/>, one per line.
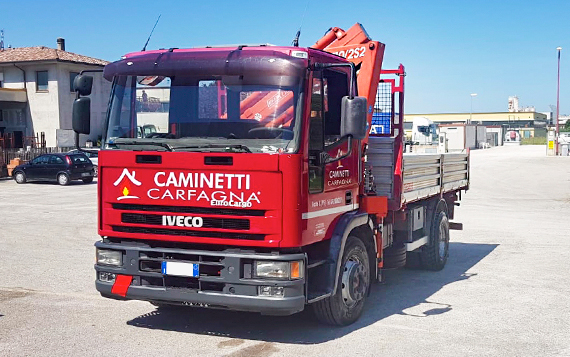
<point x="148" y="39"/>
<point x="296" y="39"/>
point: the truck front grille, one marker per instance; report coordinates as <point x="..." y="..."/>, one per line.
<point x="188" y="233"/>
<point x="209" y="267"/>
<point x="208" y="222"/>
<point x="185" y="209"/>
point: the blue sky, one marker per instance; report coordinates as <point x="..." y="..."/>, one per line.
<point x="450" y="48"/>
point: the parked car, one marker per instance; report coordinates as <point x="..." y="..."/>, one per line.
<point x="62" y="168"/>
<point x="93" y="156"/>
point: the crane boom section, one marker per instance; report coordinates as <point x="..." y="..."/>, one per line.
<point x="357" y="47"/>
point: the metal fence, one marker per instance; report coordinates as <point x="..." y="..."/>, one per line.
<point x="28" y="154"/>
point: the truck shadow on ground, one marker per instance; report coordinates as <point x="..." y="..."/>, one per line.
<point x="402" y="290"/>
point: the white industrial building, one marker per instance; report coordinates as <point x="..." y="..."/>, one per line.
<point x="36" y="95"/>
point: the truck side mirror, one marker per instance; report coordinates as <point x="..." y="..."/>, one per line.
<point x="82" y="84"/>
<point x="81" y="120"/>
<point x="353" y="116"/>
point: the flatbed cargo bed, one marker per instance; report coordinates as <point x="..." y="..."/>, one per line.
<point x="426" y="175"/>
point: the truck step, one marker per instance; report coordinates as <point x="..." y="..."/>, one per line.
<point x="417" y="243"/>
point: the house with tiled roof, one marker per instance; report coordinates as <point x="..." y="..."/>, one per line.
<point x="36" y="95"/>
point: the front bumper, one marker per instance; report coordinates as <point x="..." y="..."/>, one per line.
<point x="225" y="279"/>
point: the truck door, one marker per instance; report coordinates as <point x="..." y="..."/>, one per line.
<point x="333" y="187"/>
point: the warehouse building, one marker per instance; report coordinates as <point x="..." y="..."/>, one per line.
<point x="527" y="123"/>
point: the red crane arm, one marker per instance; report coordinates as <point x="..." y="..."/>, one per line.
<point x="367" y="56"/>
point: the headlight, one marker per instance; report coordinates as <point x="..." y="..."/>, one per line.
<point x="279" y="270"/>
<point x="109" y="257"/>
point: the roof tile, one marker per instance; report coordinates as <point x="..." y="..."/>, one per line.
<point x="41" y="53"/>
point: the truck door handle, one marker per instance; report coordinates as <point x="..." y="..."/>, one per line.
<point x="348" y="197"/>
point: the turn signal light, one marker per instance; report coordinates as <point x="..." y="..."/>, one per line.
<point x="296" y="269"/>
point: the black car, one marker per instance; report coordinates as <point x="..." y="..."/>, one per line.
<point x="92" y="154"/>
<point x="56" y="167"/>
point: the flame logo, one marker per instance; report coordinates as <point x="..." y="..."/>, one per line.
<point x="126" y="192"/>
<point x="339" y="164"/>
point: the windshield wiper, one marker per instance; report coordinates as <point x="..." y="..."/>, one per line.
<point x="214" y="146"/>
<point x="143" y="143"/>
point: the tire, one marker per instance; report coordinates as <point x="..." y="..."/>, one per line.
<point x="434" y="255"/>
<point x="63" y="179"/>
<point x="87" y="180"/>
<point x="345" y="305"/>
<point x="395" y="257"/>
<point x="20" y="177"/>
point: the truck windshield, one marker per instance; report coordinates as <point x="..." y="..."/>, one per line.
<point x="202" y="114"/>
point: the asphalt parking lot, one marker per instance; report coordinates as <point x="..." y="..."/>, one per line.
<point x="504" y="292"/>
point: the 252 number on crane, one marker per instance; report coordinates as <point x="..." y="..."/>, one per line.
<point x="352" y="53"/>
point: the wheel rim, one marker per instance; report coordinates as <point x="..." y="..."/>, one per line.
<point x="19" y="177"/>
<point x="62" y="179"/>
<point x="442" y="239"/>
<point x="354" y="282"/>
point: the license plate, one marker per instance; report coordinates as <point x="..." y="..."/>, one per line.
<point x="85" y="174"/>
<point x="180" y="269"/>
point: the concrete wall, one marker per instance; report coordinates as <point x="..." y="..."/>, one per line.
<point x="99" y="99"/>
<point x="13" y="77"/>
<point x="499" y="132"/>
<point x="481" y="135"/>
<point x="43" y="106"/>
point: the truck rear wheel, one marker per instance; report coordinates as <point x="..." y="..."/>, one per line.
<point x="434" y="255"/>
<point x="395" y="256"/>
<point x="345" y="305"/>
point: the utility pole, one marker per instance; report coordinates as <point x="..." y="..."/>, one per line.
<point x="471" y="112"/>
<point x="557" y="103"/>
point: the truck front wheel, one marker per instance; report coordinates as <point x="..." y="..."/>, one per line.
<point x="434" y="255"/>
<point x="345" y="305"/>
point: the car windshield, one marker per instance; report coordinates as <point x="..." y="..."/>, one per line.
<point x="189" y="113"/>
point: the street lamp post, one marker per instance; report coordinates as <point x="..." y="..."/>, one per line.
<point x="557" y="102"/>
<point x="471" y="112"/>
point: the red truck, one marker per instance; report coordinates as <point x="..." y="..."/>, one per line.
<point x="265" y="190"/>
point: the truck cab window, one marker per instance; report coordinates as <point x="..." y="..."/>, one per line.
<point x="316" y="131"/>
<point x="335" y="86"/>
<point x="328" y="88"/>
<point x="190" y="112"/>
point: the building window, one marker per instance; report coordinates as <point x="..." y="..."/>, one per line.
<point x="1" y="78"/>
<point x="72" y="76"/>
<point x="42" y="81"/>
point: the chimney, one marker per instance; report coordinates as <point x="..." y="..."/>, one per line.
<point x="61" y="44"/>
